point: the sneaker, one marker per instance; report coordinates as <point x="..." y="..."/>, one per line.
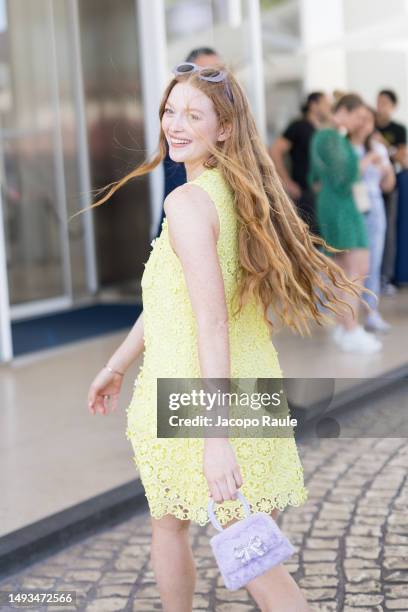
<point x="357" y="340"/>
<point x="376" y="323"/>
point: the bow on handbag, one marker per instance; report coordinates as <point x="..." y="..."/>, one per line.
<point x="249" y="547"/>
<point x="246" y="551"/>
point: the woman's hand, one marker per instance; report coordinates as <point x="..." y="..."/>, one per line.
<point x="104" y="383"/>
<point x="221" y="469"/>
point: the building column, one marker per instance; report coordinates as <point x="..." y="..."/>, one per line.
<point x="257" y="95"/>
<point x="152" y="35"/>
<point x="322" y="35"/>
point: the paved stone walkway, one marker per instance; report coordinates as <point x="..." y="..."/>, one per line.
<point x="351" y="537"/>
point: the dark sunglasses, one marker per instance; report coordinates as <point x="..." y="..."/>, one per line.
<point x="213" y="75"/>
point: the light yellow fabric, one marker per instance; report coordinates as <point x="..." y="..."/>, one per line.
<point x="171" y="469"/>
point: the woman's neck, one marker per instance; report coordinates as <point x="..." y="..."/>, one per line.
<point x="194" y="169"/>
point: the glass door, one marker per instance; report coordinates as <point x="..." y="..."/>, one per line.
<point x="32" y="185"/>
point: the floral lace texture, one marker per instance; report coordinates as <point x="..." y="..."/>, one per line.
<point x="171" y="469"/>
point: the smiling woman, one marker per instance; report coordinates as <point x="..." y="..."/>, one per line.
<point x="188" y="122"/>
<point x="231" y="246"/>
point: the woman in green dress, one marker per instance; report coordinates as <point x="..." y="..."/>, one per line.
<point x="336" y="167"/>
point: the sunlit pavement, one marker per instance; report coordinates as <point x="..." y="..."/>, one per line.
<point x="351" y="538"/>
<point x="72" y="477"/>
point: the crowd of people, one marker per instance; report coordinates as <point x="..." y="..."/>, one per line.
<point x="338" y="162"/>
<point x="344" y="157"/>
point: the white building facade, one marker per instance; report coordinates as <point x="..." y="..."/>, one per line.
<point x="356" y="46"/>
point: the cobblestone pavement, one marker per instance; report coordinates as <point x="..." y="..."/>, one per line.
<point x="351" y="538"/>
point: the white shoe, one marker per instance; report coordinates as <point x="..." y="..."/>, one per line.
<point x="376" y="323"/>
<point x="357" y="340"/>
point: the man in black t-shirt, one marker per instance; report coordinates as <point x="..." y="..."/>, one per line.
<point x="295" y="143"/>
<point x="394" y="134"/>
<point x="394" y="137"/>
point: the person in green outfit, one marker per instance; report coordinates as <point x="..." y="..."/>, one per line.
<point x="335" y="167"/>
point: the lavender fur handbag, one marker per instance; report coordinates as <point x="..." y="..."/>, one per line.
<point x="249" y="547"/>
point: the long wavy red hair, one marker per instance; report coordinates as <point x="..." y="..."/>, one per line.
<point x="280" y="262"/>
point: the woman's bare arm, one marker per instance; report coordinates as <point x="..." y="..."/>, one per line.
<point x="388" y="175"/>
<point x="130" y="349"/>
<point x="193" y="233"/>
<point x="388" y="179"/>
<point x="108" y="383"/>
<point x="192" y="222"/>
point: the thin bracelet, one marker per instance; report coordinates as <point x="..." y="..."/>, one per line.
<point x="112" y="370"/>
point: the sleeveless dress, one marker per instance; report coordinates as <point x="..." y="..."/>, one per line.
<point x="334" y="164"/>
<point x="171" y="468"/>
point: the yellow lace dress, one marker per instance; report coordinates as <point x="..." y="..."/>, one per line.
<point x="171" y="468"/>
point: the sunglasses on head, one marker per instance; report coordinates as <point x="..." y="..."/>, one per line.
<point x="212" y="75"/>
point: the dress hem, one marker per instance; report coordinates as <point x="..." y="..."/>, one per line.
<point x="234" y="510"/>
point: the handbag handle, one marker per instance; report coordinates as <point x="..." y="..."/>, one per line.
<point x="212" y="516"/>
